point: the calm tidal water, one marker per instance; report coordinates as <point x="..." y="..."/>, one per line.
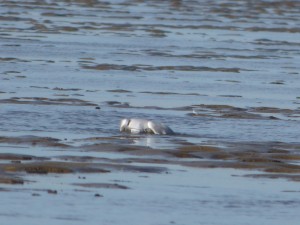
<point x="217" y="72"/>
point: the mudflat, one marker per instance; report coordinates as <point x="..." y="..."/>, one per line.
<point x="222" y="74"/>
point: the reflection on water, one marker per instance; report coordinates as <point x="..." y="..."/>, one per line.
<point x="147" y="141"/>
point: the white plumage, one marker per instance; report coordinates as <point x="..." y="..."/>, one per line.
<point x="137" y="126"/>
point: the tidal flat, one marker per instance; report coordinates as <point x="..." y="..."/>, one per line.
<point x="224" y="75"/>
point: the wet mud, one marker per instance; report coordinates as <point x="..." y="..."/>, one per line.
<point x="33" y="140"/>
<point x="46" y="101"/>
<point x="268" y="157"/>
<point x="103" y="185"/>
<point x="141" y="68"/>
<point x="222" y="74"/>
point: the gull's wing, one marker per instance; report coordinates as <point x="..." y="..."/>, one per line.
<point x="137" y="125"/>
<point x="159" y="128"/>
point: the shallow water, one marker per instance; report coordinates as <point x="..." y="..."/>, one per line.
<point x="222" y="74"/>
<point x="173" y="198"/>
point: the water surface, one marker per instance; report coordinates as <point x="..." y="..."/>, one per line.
<point x="224" y="75"/>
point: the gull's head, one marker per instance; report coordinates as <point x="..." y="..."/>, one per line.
<point x="124" y="124"/>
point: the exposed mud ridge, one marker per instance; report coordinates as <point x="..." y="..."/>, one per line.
<point x="291" y="177"/>
<point x="33" y="141"/>
<point x="271" y="157"/>
<point x="220" y="111"/>
<point x="205" y="55"/>
<point x="66" y="89"/>
<point x="8" y="59"/>
<point x="9" y="179"/>
<point x="52" y="167"/>
<point x="262" y="156"/>
<point x="119" y="91"/>
<point x="46" y="101"/>
<point x="159" y="68"/>
<point x="18" y="157"/>
<point x="227" y="111"/>
<point x="102" y="185"/>
<point x="167" y="93"/>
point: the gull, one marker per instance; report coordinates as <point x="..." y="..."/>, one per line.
<point x="138" y="126"/>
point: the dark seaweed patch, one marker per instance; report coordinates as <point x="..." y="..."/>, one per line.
<point x="102" y="185"/>
<point x="160" y="68"/>
<point x="47" y="101"/>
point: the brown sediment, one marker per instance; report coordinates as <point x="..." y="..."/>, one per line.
<point x="219" y="107"/>
<point x="159" y="93"/>
<point x="81" y="166"/>
<point x="102" y="185"/>
<point x="289" y="156"/>
<point x="39" y="87"/>
<point x="119" y="104"/>
<point x="157" y="33"/>
<point x="96" y="139"/>
<point x="291" y="177"/>
<point x="195" y="151"/>
<point x="167" y="93"/>
<point x="39" y="168"/>
<point x="271" y="158"/>
<point x="206" y="55"/>
<point x="283" y="168"/>
<point x="52" y="167"/>
<point x="227" y="111"/>
<point x="266" y="166"/>
<point x="222" y="164"/>
<point x="67" y="28"/>
<point x="11" y="72"/>
<point x="10" y="59"/>
<point x="263" y="156"/>
<point x="267" y="157"/>
<point x="119" y="91"/>
<point x="132" y="150"/>
<point x="51" y="14"/>
<point x="66" y="89"/>
<point x="53" y="192"/>
<point x="19" y="157"/>
<point x="87" y="58"/>
<point x="221" y="111"/>
<point x="231" y="96"/>
<point x="278" y="82"/>
<point x="47" y="101"/>
<point x="6" y="179"/>
<point x="238" y="157"/>
<point x="159" y="68"/>
<point x="125" y="148"/>
<point x="241" y="115"/>
<point x="273" y="110"/>
<point x="256" y="159"/>
<point x="34" y="140"/>
<point x="275" y="29"/>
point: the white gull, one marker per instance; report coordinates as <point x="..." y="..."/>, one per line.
<point x="138" y="126"/>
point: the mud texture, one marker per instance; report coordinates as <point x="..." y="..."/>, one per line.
<point x="276" y="159"/>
